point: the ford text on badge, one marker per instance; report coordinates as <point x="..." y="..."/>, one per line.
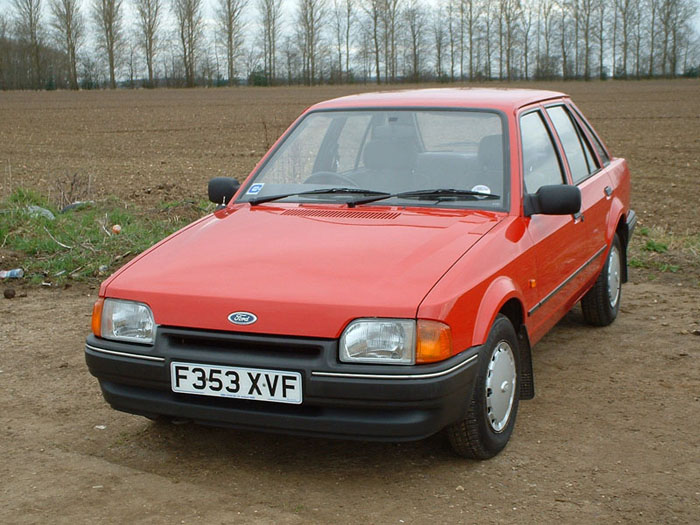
<point x="242" y="318"/>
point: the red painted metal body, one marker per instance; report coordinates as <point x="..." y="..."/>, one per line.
<point x="308" y="270"/>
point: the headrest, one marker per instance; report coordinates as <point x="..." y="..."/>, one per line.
<point x="491" y="153"/>
<point x="392" y="147"/>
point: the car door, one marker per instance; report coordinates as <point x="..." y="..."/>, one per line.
<point x="596" y="191"/>
<point x="555" y="238"/>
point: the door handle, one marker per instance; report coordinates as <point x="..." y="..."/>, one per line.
<point x="608" y="191"/>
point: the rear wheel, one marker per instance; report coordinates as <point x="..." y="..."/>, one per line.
<point x="602" y="302"/>
<point x="490" y="419"/>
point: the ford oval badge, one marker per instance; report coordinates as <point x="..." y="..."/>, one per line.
<point x="242" y="318"/>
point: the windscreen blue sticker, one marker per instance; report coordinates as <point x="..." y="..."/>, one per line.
<point x="255" y="188"/>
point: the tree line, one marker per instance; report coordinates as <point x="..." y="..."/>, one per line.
<point x="74" y="44"/>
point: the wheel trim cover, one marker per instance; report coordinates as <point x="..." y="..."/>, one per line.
<point x="614" y="277"/>
<point x="500" y="386"/>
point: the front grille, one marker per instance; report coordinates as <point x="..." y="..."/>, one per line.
<point x="230" y="344"/>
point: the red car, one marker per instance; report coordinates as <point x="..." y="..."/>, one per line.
<point x="382" y="274"/>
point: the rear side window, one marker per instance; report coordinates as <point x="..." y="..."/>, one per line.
<point x="596" y="143"/>
<point x="576" y="149"/>
<point x="540" y="160"/>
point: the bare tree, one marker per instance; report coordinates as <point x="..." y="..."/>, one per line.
<point x="188" y="14"/>
<point x="4" y="52"/>
<point x="30" y="31"/>
<point x="471" y="15"/>
<point x="69" y="27"/>
<point x="625" y="8"/>
<point x="149" y="18"/>
<point x="390" y="20"/>
<point x="653" y="9"/>
<point x="310" y="18"/>
<point x="452" y="34"/>
<point x="343" y="17"/>
<point x="270" y="12"/>
<point x="415" y="20"/>
<point x="528" y="14"/>
<point x="108" y="16"/>
<point x="509" y="15"/>
<point x="439" y="37"/>
<point x="600" y="10"/>
<point x="373" y="10"/>
<point x="229" y="19"/>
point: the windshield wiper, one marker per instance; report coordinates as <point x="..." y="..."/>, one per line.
<point x="438" y="195"/>
<point x="321" y="191"/>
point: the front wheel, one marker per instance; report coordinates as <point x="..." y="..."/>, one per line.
<point x="601" y="303"/>
<point x="490" y="418"/>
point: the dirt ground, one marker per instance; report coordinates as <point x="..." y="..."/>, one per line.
<point x="611" y="436"/>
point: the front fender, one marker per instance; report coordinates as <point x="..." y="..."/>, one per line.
<point x="500" y="291"/>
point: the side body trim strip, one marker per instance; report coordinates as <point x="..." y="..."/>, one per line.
<point x="566" y="281"/>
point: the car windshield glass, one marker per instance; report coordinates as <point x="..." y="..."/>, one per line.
<point x="392" y="152"/>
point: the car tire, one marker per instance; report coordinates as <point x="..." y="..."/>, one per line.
<point x="492" y="411"/>
<point x="601" y="303"/>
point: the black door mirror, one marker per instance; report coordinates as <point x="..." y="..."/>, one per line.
<point x="557" y="199"/>
<point x="222" y="190"/>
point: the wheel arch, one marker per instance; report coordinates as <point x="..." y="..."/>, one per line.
<point x="619" y="227"/>
<point x="504" y="297"/>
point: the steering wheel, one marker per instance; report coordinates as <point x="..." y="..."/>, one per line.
<point x="328" y="177"/>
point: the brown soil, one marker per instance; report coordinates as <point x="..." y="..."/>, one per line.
<point x="145" y="146"/>
<point x="611" y="435"/>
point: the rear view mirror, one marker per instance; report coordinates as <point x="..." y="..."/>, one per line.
<point x="222" y="190"/>
<point x="557" y="199"/>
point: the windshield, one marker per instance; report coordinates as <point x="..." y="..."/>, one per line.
<point x="388" y="152"/>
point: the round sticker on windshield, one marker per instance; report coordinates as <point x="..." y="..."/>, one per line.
<point x="482" y="188"/>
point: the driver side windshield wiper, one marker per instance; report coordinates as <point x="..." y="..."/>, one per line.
<point x="439" y="195"/>
<point x="321" y="191"/>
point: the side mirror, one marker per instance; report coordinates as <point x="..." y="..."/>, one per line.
<point x="222" y="190"/>
<point x="557" y="199"/>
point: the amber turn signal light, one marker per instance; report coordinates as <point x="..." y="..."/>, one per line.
<point x="97" y="317"/>
<point x="434" y="341"/>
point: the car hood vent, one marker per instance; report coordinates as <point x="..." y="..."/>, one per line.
<point x="343" y="214"/>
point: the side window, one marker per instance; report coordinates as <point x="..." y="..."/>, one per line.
<point x="540" y="161"/>
<point x="580" y="161"/>
<point x="596" y="143"/>
<point x="350" y="141"/>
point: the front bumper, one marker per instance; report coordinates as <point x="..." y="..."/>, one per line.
<point x="368" y="402"/>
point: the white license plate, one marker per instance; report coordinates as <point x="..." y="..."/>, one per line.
<point x="236" y="382"/>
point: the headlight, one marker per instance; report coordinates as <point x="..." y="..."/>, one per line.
<point x="126" y="321"/>
<point x="388" y="341"/>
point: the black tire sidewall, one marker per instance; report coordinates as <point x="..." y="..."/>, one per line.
<point x="493" y="441"/>
<point x="612" y="311"/>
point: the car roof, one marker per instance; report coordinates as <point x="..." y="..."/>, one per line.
<point x="504" y="99"/>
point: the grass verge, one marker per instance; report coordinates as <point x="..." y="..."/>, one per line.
<point x="657" y="251"/>
<point x="80" y="243"/>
